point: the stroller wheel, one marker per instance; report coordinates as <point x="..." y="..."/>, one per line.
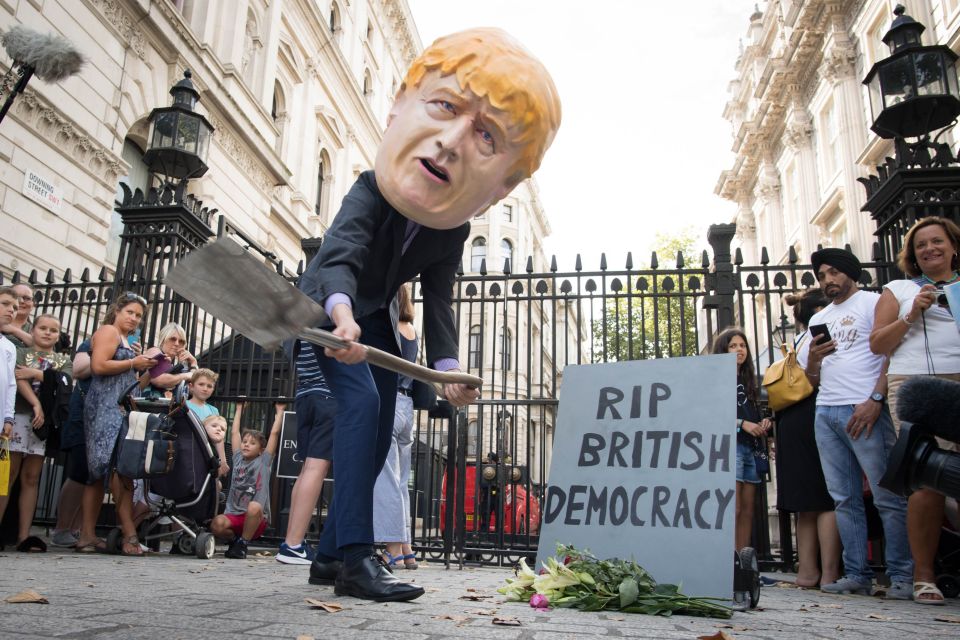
<point x="747" y="576"/>
<point x="206" y="545"/>
<point x="186" y="544"/>
<point x="949" y="585"/>
<point x="114" y="540"/>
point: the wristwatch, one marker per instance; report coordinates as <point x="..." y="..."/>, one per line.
<point x="877" y="396"/>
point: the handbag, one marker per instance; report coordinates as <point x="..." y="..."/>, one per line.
<point x="786" y="382"/>
<point x="4" y="466"/>
<point x="147" y="446"/>
<point x="760" y="457"/>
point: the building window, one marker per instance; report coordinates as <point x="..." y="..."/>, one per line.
<point x="472" y="438"/>
<point x="369" y="33"/>
<point x="830" y="140"/>
<point x="334" y="18"/>
<point x="508" y="213"/>
<point x="323" y="183"/>
<point x="474" y="348"/>
<point x="138" y="177"/>
<point x="506" y="349"/>
<point x="367" y="83"/>
<point x="478" y="254"/>
<point x="506" y="251"/>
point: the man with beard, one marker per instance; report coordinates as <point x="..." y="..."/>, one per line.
<point x="853" y="427"/>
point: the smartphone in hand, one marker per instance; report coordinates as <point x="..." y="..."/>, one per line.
<point x="820" y="330"/>
<point x="134" y="336"/>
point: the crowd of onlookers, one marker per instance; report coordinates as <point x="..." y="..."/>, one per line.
<point x="856" y="348"/>
<point x="56" y="404"/>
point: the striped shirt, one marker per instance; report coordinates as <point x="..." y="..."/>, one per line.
<point x="309" y="376"/>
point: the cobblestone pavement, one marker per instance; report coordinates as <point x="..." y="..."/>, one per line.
<point x="170" y="597"/>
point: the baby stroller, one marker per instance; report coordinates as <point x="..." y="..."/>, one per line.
<point x="183" y="501"/>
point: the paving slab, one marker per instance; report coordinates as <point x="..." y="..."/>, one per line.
<point x="164" y="597"/>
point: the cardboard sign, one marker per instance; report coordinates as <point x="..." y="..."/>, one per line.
<point x="644" y="467"/>
<point x="288" y="464"/>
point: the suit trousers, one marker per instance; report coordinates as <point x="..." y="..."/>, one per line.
<point x="362" y="432"/>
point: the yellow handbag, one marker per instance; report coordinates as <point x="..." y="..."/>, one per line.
<point x="785" y="381"/>
<point x="4" y="466"/>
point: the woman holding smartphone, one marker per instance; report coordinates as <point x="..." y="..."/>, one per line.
<point x="115" y="365"/>
<point x="914" y="325"/>
<point x="174" y="363"/>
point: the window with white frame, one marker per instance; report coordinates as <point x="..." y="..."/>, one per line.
<point x="507" y="212"/>
<point x="829" y="140"/>
<point x="506" y="251"/>
<point x="138" y="177"/>
<point x="474" y="347"/>
<point x="506" y="349"/>
<point x="478" y="253"/>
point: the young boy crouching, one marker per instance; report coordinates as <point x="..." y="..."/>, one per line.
<point x="247" y="512"/>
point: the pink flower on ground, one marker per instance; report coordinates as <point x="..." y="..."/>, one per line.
<point x="539" y="602"/>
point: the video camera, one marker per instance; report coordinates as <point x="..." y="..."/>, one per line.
<point x="927" y="407"/>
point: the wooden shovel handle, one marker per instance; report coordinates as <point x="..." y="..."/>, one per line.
<point x="394" y="363"/>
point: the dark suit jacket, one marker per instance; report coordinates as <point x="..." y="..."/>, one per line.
<point x="361" y="257"/>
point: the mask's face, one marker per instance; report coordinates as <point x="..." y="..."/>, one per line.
<point x="446" y="154"/>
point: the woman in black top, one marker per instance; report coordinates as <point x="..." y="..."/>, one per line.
<point x="751" y="428"/>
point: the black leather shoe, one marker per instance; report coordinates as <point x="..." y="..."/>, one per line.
<point x="324" y="572"/>
<point x="369" y="580"/>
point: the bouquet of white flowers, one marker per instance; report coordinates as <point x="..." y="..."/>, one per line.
<point x="582" y="581"/>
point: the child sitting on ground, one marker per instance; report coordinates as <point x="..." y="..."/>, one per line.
<point x="247" y="512"/>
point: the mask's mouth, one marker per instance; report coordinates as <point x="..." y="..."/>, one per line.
<point x="435" y="170"/>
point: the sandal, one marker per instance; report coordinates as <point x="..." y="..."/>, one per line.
<point x="32" y="544"/>
<point x="410" y="561"/>
<point x="132" y="542"/>
<point x="392" y="561"/>
<point x="97" y="546"/>
<point x="927" y="593"/>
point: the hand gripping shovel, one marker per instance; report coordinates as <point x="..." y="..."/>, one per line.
<point x="230" y="284"/>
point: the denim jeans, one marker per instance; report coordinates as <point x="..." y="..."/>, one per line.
<point x="845" y="461"/>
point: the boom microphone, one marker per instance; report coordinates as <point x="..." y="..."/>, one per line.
<point x="50" y="57"/>
<point x="933" y="403"/>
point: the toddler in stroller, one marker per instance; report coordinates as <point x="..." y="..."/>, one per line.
<point x="183" y="501"/>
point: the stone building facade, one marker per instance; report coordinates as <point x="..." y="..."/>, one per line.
<point x="801" y="121"/>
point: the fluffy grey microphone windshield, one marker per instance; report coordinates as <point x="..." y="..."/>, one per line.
<point x="52" y="57"/>
<point x="933" y="403"/>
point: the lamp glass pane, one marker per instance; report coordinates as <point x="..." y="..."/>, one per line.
<point x="896" y="81"/>
<point x="876" y="98"/>
<point x="951" y="75"/>
<point x="203" y="144"/>
<point x="929" y="73"/>
<point x="163" y="126"/>
<point x="188" y="128"/>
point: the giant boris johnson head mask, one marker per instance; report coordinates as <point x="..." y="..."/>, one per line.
<point x="473" y="118"/>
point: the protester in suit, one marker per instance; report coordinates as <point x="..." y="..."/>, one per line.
<point x="472" y="120"/>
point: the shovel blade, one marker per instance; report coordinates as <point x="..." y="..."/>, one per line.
<point x="230" y="284"/>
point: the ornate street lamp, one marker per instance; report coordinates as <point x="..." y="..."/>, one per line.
<point x="914" y="90"/>
<point x="179" y="137"/>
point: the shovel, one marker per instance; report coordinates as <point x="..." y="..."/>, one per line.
<point x="227" y="282"/>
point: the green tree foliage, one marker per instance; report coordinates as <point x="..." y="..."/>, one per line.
<point x="655" y="316"/>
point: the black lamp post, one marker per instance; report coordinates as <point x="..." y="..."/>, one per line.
<point x="913" y="92"/>
<point x="165" y="223"/>
<point x="179" y="137"/>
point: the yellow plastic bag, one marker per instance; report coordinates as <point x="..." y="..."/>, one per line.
<point x="4" y="466"/>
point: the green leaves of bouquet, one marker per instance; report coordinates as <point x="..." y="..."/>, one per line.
<point x="584" y="582"/>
